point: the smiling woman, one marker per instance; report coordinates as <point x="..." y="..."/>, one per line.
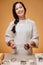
<point x="34" y="11"/>
<point x="21" y="34"/>
<point x="19" y="10"/>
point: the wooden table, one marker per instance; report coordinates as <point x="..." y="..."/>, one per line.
<point x="20" y="58"/>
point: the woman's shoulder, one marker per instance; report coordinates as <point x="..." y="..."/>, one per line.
<point x="12" y="22"/>
<point x="30" y="21"/>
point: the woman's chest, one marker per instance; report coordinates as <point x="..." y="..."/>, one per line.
<point x="24" y="28"/>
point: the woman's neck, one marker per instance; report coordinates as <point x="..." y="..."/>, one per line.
<point x="22" y="18"/>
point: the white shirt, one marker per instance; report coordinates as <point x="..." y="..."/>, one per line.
<point x="26" y="32"/>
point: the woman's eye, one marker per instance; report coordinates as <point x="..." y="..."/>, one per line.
<point x="20" y="7"/>
<point x="16" y="8"/>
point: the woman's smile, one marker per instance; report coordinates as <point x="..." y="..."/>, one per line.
<point x="19" y="10"/>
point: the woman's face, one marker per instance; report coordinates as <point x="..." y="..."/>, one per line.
<point x="19" y="10"/>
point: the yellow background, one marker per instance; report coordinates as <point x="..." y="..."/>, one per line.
<point x="34" y="12"/>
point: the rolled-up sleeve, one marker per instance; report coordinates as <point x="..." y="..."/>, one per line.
<point x="9" y="35"/>
<point x="35" y="35"/>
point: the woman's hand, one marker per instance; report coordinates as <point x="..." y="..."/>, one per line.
<point x="26" y="46"/>
<point x="12" y="44"/>
<point x="32" y="44"/>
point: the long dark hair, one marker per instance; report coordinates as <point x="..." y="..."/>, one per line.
<point x="15" y="15"/>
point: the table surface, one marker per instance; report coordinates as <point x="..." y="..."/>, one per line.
<point x="21" y="58"/>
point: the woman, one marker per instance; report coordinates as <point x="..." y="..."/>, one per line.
<point x="21" y="34"/>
